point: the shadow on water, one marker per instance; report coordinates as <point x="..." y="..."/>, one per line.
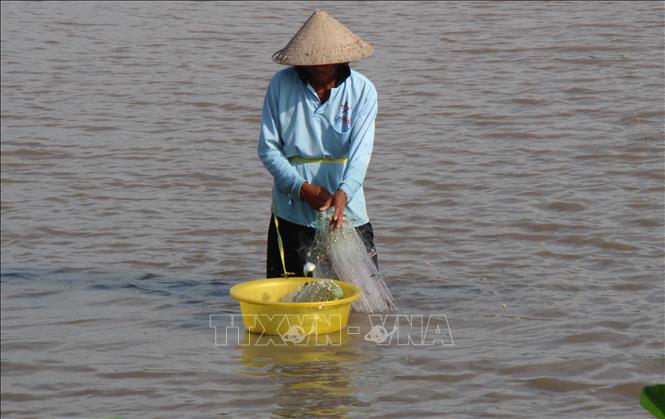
<point x="201" y="295"/>
<point x="188" y="290"/>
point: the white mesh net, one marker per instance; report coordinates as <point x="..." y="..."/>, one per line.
<point x="341" y="254"/>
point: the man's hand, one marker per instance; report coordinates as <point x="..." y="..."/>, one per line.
<point x="317" y="197"/>
<point x="339" y="202"/>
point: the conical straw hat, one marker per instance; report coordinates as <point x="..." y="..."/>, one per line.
<point x="322" y="40"/>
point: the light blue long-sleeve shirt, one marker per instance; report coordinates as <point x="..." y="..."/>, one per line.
<point x="296" y="124"/>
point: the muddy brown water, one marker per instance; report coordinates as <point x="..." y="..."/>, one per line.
<point x="516" y="186"/>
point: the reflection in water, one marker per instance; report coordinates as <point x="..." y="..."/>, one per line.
<point x="314" y="377"/>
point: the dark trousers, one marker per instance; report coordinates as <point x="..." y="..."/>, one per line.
<point x="297" y="240"/>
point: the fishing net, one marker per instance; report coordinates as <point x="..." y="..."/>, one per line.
<point x="315" y="290"/>
<point x="341" y="254"/>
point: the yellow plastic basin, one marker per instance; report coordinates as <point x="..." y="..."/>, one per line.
<point x="262" y="312"/>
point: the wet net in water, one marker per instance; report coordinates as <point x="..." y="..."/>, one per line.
<point x="341" y="254"/>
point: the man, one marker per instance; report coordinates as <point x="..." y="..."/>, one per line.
<point x="316" y="140"/>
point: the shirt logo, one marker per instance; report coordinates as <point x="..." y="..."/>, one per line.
<point x="343" y="117"/>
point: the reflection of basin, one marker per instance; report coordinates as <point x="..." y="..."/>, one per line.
<point x="314" y="378"/>
<point x="261" y="350"/>
<point x="262" y="312"/>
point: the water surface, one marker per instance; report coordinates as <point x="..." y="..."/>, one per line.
<point x="516" y="186"/>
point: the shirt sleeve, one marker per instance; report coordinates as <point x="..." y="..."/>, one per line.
<point x="362" y="141"/>
<point x="270" y="152"/>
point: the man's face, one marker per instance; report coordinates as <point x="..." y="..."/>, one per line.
<point x="322" y="73"/>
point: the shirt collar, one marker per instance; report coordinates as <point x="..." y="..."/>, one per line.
<point x="343" y="74"/>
